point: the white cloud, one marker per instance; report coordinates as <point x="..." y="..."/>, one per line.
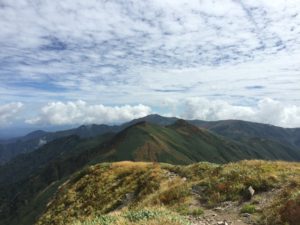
<point x="265" y="111"/>
<point x="79" y="112"/>
<point x="147" y="51"/>
<point x="9" y="111"/>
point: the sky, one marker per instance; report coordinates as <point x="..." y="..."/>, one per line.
<point x="72" y="62"/>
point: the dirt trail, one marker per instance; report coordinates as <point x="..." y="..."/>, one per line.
<point x="228" y="213"/>
<point x="211" y="217"/>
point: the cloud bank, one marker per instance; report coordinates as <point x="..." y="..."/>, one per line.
<point x="266" y="111"/>
<point x="79" y="112"/>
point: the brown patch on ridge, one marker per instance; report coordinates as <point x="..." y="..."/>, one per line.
<point x="148" y="151"/>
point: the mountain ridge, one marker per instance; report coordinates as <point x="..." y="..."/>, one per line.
<point x="233" y="129"/>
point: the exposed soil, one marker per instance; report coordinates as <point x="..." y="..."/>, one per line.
<point x="213" y="217"/>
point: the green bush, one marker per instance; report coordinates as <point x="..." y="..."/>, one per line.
<point x="248" y="208"/>
<point x="196" y="212"/>
<point x="136" y="216"/>
<point x="99" y="220"/>
<point x="186" y="210"/>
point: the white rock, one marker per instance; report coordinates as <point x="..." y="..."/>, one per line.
<point x="251" y="190"/>
<point x="222" y="223"/>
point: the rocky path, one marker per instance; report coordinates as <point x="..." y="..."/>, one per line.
<point x="228" y="213"/>
<point x="212" y="217"/>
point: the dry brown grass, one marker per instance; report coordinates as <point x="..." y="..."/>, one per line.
<point x="100" y="190"/>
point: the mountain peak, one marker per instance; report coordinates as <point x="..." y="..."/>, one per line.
<point x="142" y="123"/>
<point x="153" y="116"/>
<point x="156" y="119"/>
<point x="182" y="122"/>
<point x="35" y="134"/>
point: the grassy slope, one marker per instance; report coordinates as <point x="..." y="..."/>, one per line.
<point x="237" y="129"/>
<point x="27" y="176"/>
<point x="96" y="195"/>
<point x="182" y="143"/>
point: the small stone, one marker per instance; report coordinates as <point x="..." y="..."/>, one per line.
<point x="222" y="222"/>
<point x="246" y="215"/>
<point x="198" y="189"/>
<point x="129" y="196"/>
<point x="251" y="190"/>
<point x="218" y="209"/>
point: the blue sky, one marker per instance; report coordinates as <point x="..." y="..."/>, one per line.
<point x="73" y="62"/>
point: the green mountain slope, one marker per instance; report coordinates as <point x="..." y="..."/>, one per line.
<point x="23" y="178"/>
<point x="183" y="143"/>
<point x="236" y="130"/>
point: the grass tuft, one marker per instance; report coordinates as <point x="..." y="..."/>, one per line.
<point x="248" y="208"/>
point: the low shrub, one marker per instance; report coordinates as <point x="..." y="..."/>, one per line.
<point x="136" y="216"/>
<point x="248" y="208"/>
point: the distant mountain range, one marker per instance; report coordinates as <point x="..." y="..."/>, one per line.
<point x="41" y="161"/>
<point x="242" y="131"/>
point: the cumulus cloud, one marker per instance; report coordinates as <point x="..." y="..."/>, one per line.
<point x="9" y="111"/>
<point x="80" y="112"/>
<point x="265" y="111"/>
<point x="237" y="51"/>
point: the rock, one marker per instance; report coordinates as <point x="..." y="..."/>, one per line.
<point x="222" y="222"/>
<point x="171" y="175"/>
<point x="251" y="190"/>
<point x="129" y="196"/>
<point x="126" y="200"/>
<point x="219" y="209"/>
<point x="227" y="205"/>
<point x="246" y="215"/>
<point x="198" y="189"/>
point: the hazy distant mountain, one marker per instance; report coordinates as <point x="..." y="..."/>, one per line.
<point x="237" y="129"/>
<point x="34" y="140"/>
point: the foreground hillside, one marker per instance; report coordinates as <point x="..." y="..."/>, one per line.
<point x="203" y="193"/>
